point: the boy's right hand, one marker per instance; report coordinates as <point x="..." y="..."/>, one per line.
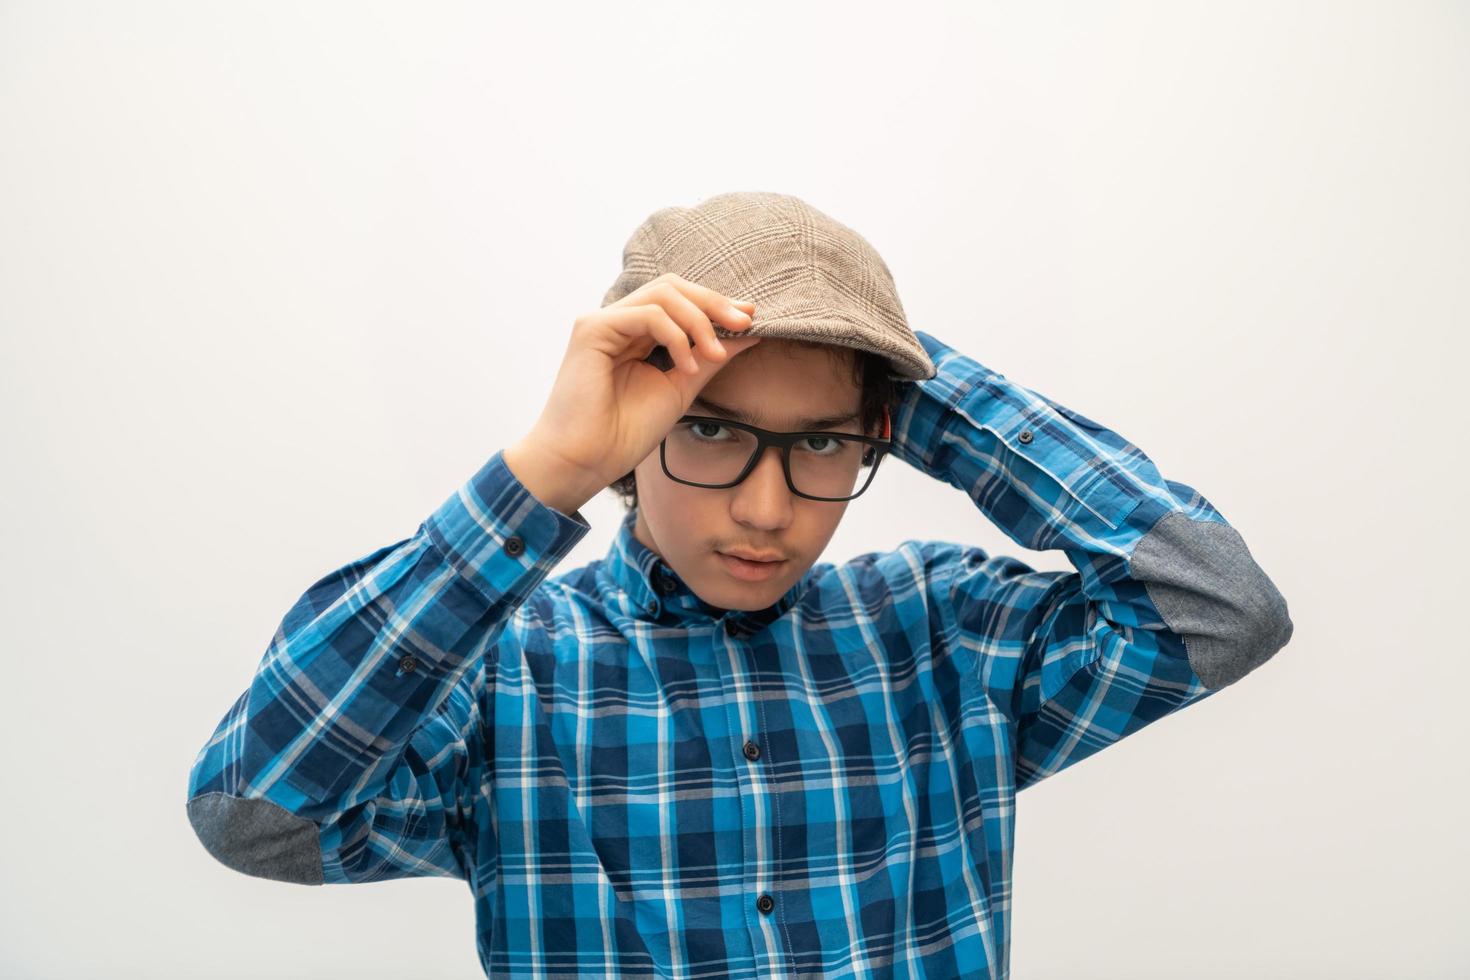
<point x="608" y="407"/>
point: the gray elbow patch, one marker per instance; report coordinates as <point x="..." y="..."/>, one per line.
<point x="257" y="837"/>
<point x="1204" y="582"/>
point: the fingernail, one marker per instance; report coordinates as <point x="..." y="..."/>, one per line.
<point x="719" y="347"/>
<point x="739" y="312"/>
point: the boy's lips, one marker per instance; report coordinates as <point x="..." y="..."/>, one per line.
<point x="755" y="555"/>
<point x="750" y="571"/>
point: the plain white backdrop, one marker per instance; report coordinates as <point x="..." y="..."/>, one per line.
<point x="276" y="278"/>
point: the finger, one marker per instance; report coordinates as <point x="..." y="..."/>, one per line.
<point x="695" y="319"/>
<point x="621" y="331"/>
<point x="726" y="311"/>
<point x="710" y="300"/>
<point x="691" y="305"/>
<point x="666" y="331"/>
<point x="638" y="349"/>
<point x="690" y="318"/>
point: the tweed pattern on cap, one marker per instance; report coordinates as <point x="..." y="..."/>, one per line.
<point x="810" y="276"/>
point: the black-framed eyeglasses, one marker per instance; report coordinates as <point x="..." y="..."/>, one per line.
<point x="826" y="465"/>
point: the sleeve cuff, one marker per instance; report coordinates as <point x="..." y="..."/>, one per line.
<point x="494" y="531"/>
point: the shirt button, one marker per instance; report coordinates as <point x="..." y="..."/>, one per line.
<point x="652" y="605"/>
<point x="765" y="903"/>
<point x="408" y="664"/>
<point x="514" y="545"/>
<point x="752" y="751"/>
<point x="666" y="585"/>
<point x="1025" y="435"/>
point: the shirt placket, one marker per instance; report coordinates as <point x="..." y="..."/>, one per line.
<point x="762" y="916"/>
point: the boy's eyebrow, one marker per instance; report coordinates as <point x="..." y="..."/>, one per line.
<point x="801" y="424"/>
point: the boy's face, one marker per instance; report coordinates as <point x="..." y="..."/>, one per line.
<point x="775" y="383"/>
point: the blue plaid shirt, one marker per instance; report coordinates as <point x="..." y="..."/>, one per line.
<point x="636" y="783"/>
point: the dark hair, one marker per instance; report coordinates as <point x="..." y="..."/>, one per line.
<point x="871" y="372"/>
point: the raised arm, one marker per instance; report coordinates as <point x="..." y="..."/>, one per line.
<point x="1166" y="605"/>
<point x="355" y="752"/>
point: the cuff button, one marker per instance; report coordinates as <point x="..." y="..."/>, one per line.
<point x="514" y="545"/>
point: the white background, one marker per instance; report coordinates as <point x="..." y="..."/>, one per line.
<point x="276" y="278"/>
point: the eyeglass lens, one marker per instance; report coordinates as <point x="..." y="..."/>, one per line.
<point x="821" y="465"/>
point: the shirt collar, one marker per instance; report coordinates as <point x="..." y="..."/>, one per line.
<point x="657" y="593"/>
